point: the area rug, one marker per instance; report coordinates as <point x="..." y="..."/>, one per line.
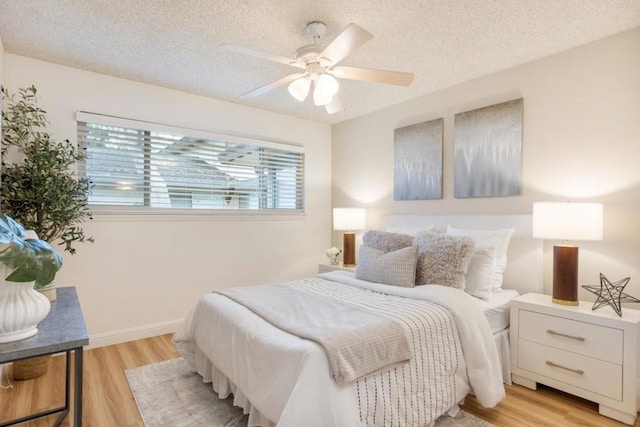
<point x="168" y="394"/>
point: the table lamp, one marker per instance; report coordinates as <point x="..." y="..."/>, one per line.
<point x="349" y="220"/>
<point x="566" y="221"/>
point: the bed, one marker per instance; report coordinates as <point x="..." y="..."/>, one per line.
<point x="459" y="347"/>
<point x="523" y="272"/>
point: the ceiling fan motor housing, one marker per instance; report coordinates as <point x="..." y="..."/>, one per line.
<point x="308" y="54"/>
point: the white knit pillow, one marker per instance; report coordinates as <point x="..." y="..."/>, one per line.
<point x="442" y="259"/>
<point x="397" y="268"/>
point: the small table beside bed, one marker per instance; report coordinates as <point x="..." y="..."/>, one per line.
<point x="340" y="349"/>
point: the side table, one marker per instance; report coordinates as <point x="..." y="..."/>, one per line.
<point x="325" y="268"/>
<point x="591" y="354"/>
<point x="62" y="331"/>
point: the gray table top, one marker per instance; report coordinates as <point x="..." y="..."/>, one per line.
<point x="63" y="329"/>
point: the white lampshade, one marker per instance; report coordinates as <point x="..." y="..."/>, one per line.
<point x="567" y="221"/>
<point x="349" y="219"/>
<point x="299" y="88"/>
<point x="326" y="87"/>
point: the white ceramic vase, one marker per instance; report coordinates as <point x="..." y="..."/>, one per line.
<point x="21" y="309"/>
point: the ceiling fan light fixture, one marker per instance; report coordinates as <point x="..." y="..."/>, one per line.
<point x="326" y="88"/>
<point x="328" y="85"/>
<point x="320" y="101"/>
<point x="299" y="88"/>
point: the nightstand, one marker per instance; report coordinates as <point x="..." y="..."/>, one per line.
<point x="591" y="354"/>
<point x="324" y="268"/>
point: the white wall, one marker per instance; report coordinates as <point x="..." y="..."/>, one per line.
<point x="143" y="274"/>
<point x="581" y="142"/>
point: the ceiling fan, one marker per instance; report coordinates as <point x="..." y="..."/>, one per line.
<point x="320" y="67"/>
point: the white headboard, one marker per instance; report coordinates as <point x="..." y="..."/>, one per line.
<point x="524" y="258"/>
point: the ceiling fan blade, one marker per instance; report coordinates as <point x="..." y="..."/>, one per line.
<point x="370" y="75"/>
<point x="262" y="55"/>
<point x="347" y="41"/>
<point x="335" y="106"/>
<point x="264" y="89"/>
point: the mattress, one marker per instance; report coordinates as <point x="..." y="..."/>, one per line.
<point x="496" y="309"/>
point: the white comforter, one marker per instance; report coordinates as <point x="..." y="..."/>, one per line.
<point x="287" y="379"/>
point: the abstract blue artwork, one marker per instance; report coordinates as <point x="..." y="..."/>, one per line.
<point x="488" y="151"/>
<point x="417" y="171"/>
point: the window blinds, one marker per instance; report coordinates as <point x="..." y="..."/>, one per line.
<point x="146" y="165"/>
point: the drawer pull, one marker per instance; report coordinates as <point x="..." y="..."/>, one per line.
<point x="575" y="371"/>
<point x="560" y="334"/>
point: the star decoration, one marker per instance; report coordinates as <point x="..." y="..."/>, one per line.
<point x="611" y="294"/>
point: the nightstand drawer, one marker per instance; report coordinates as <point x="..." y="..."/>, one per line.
<point x="593" y="375"/>
<point x="591" y="340"/>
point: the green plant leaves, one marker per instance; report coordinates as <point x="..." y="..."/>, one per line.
<point x="8" y="228"/>
<point x="28" y="259"/>
<point x="41" y="189"/>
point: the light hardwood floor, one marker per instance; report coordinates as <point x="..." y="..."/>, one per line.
<point x="108" y="401"/>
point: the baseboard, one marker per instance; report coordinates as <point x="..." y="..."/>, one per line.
<point x="131" y="334"/>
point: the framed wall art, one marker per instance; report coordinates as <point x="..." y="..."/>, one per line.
<point x="488" y="151"/>
<point x="417" y="170"/>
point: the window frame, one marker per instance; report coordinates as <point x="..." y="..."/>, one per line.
<point x="199" y="213"/>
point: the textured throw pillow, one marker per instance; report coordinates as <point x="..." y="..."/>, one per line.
<point x="397" y="268"/>
<point x="386" y="241"/>
<point x="442" y="259"/>
<point x="500" y="238"/>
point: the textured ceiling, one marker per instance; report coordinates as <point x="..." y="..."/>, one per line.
<point x="172" y="43"/>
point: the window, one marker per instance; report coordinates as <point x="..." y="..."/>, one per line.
<point x="149" y="166"/>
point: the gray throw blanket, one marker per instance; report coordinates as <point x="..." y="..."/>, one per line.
<point x="357" y="342"/>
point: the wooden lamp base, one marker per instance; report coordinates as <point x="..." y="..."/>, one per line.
<point x="565" y="275"/>
<point x="349" y="247"/>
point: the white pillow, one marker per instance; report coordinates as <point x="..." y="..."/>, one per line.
<point x="397" y="268"/>
<point x="485" y="238"/>
<point x="411" y="231"/>
<point x="479" y="278"/>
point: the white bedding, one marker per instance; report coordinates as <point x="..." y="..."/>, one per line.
<point x="283" y="379"/>
<point x="354" y="326"/>
<point x="497" y="311"/>
<point x="497" y="308"/>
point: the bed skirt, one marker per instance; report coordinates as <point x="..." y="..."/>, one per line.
<point x="502" y="344"/>
<point x="223" y="387"/>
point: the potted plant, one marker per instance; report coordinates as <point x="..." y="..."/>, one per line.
<point x="333" y="253"/>
<point x="39" y="187"/>
<point x="23" y="261"/>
